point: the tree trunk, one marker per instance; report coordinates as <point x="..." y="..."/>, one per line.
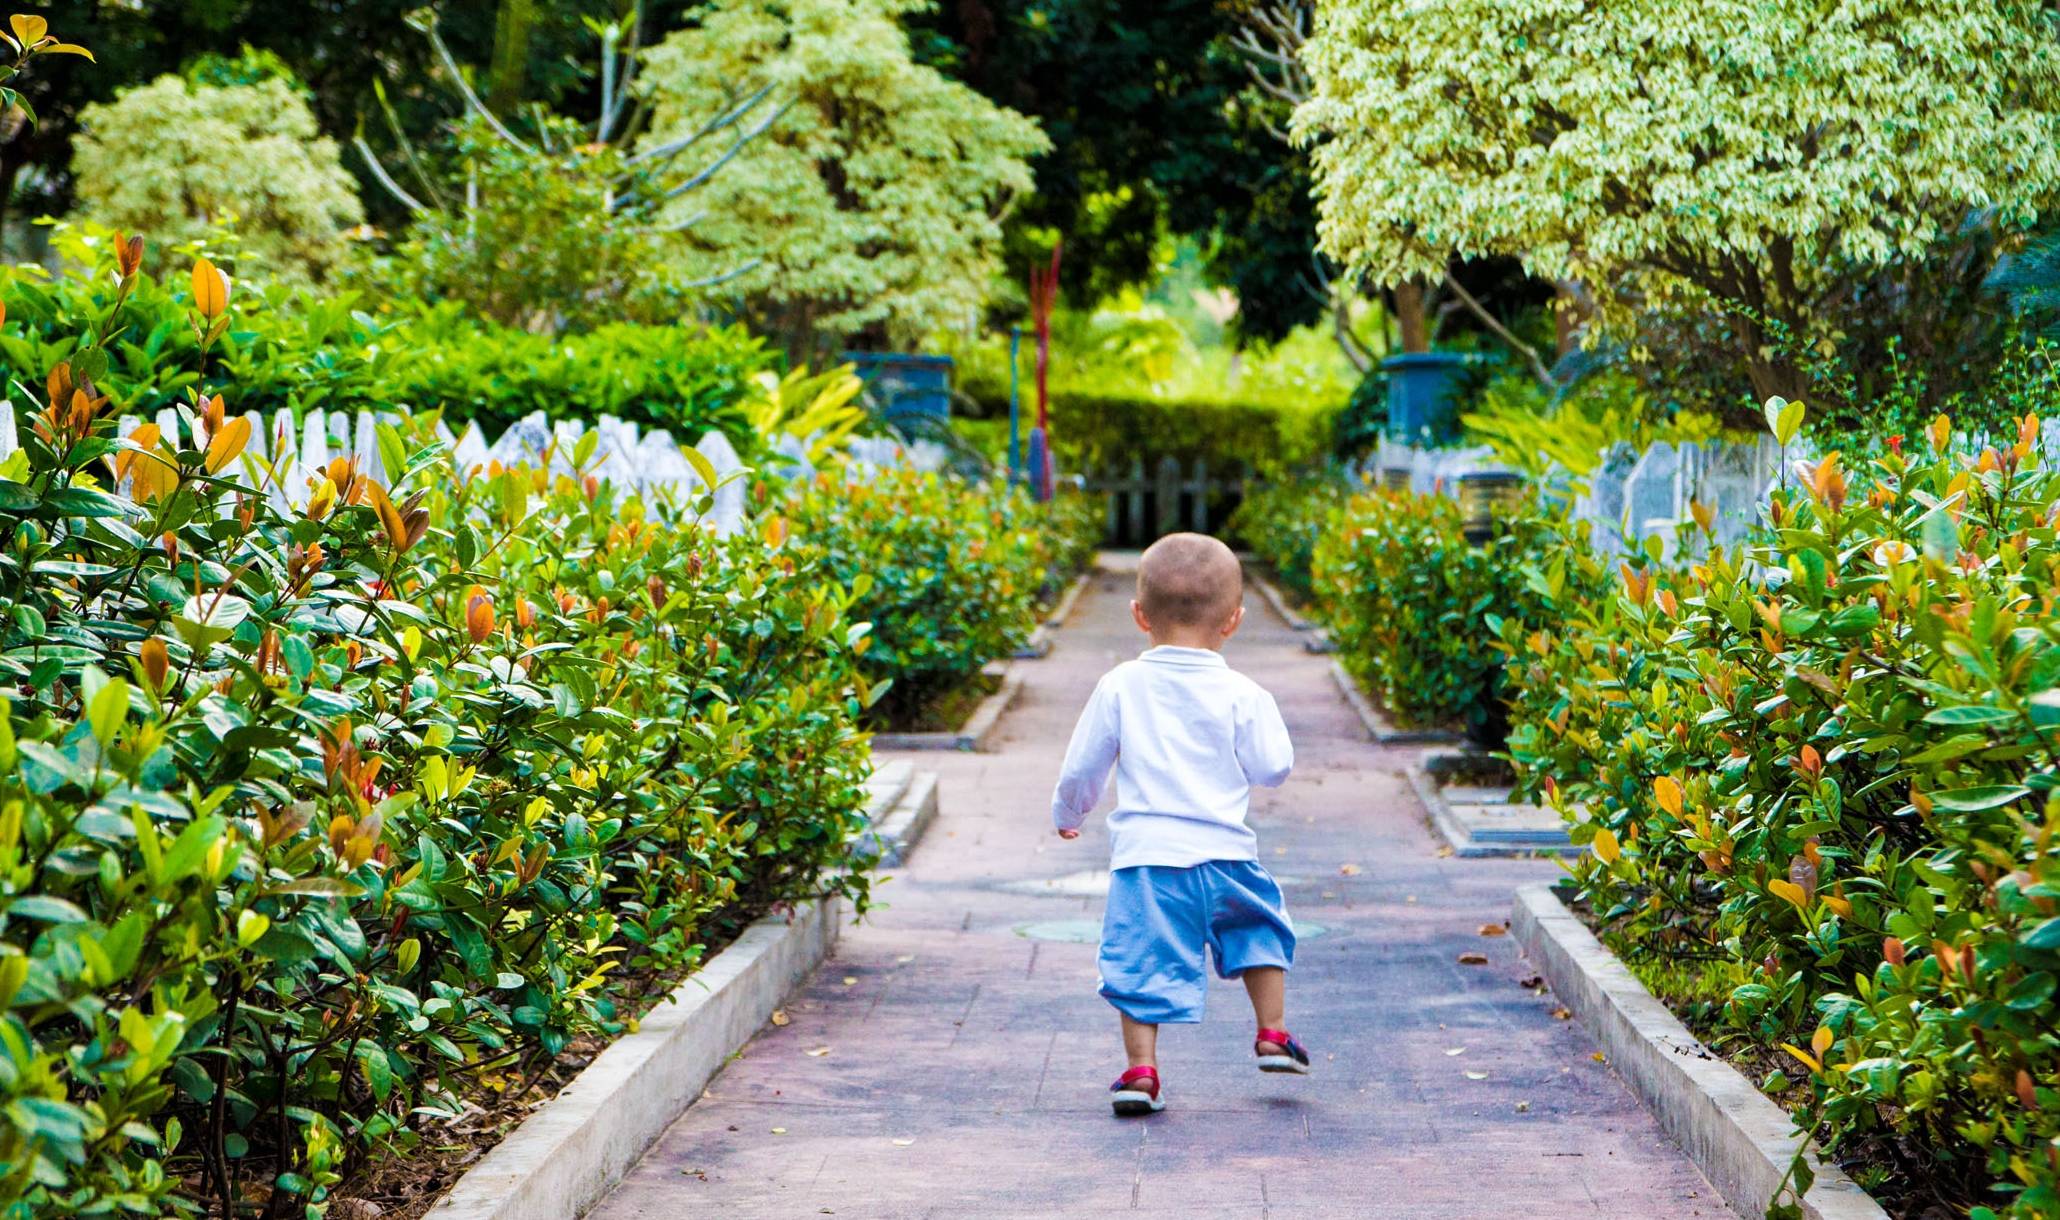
<point x="1565" y="318"/>
<point x="1409" y="316"/>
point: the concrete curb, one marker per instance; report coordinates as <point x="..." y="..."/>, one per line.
<point x="974" y="734"/>
<point x="564" y="1157"/>
<point x="1314" y="637"/>
<point x="1378" y="726"/>
<point x="1071" y="598"/>
<point x="1041" y="640"/>
<point x="1740" y="1139"/>
<point x="1468" y="845"/>
<point x="1278" y="600"/>
<point x="895" y="832"/>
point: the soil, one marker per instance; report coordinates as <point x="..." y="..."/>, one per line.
<point x="946" y="712"/>
<point x="1900" y="1175"/>
<point x="405" y="1187"/>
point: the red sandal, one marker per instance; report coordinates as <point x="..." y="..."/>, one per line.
<point x="1137" y="1092"/>
<point x="1292" y="1058"/>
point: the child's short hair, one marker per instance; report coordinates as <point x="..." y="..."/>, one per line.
<point x="1189" y="580"/>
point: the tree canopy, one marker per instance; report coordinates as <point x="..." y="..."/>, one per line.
<point x="1675" y="156"/>
<point x="872" y="205"/>
<point x="174" y="158"/>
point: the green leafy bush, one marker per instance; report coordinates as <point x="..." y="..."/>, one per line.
<point x="946" y="570"/>
<point x="1283" y="518"/>
<point x="1414" y="607"/>
<point x="1825" y="760"/>
<point x="313" y="822"/>
<point x="174" y="158"/>
<point x="292" y="349"/>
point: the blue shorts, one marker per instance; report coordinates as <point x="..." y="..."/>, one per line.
<point x="1159" y="918"/>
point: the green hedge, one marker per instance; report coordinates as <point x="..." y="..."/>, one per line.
<point x="314" y="823"/>
<point x="1820" y="774"/>
<point x="1282" y="518"/>
<point x="292" y="349"/>
<point x="1413" y="606"/>
<point x="1103" y="430"/>
<point x="947" y="571"/>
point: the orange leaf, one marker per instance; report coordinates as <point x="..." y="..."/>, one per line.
<point x="1667" y="792"/>
<point x="28" y="30"/>
<point x="227" y="442"/>
<point x="1809" y="1061"/>
<point x="1606" y="848"/>
<point x="210" y="290"/>
<point x="1783" y="888"/>
<point x="1820" y="1041"/>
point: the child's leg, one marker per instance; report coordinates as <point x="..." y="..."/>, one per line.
<point x="1140" y="1042"/>
<point x="1267" y="987"/>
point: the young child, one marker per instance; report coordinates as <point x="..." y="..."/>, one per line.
<point x="1188" y="737"/>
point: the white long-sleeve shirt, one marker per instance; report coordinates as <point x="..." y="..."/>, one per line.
<point x="1188" y="736"/>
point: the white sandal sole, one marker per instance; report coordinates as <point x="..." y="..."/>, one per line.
<point x="1131" y="1103"/>
<point x="1283" y="1063"/>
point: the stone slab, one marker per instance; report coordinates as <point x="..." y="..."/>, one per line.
<point x="1740" y="1139"/>
<point x="1473" y="831"/>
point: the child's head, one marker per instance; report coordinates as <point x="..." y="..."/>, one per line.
<point x="1190" y="592"/>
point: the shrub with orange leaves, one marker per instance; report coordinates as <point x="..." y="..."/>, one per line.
<point x="329" y="808"/>
<point x="1838" y="748"/>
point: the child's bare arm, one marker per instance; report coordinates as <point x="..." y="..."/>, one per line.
<point x="1089" y="757"/>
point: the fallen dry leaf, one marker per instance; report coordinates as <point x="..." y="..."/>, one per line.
<point x="1476" y="1075"/>
<point x="780" y="1016"/>
<point x="1455" y="1050"/>
<point x="1349" y="870"/>
<point x="1473" y="959"/>
<point x="1410" y="898"/>
<point x="1562" y="1013"/>
<point x="904" y="1142"/>
<point x="1444" y="852"/>
<point x="779" y="1131"/>
<point x="1599" y="1057"/>
<point x="1523" y="1107"/>
<point x="849" y="981"/>
<point x="1493" y="929"/>
<point x="905" y="959"/>
<point x="818" y="1052"/>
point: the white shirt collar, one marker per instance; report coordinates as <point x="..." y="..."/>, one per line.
<point x="1171" y="654"/>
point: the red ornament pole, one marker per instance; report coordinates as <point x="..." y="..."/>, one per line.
<point x="1044" y="295"/>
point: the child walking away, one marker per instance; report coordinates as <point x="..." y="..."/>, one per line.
<point x="1187" y="737"/>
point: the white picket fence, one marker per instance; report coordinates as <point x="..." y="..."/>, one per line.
<point x="1629" y="496"/>
<point x="649" y="462"/>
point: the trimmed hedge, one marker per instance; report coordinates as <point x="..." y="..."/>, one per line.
<point x="314" y="822"/>
<point x="1283" y="517"/>
<point x="1413" y="606"/>
<point x="1102" y="430"/>
<point x="292" y="349"/>
<point x="1822" y="766"/>
<point x="1817" y="775"/>
<point x="947" y="571"/>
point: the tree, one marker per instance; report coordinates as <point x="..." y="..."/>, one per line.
<point x="872" y="206"/>
<point x="557" y="226"/>
<point x="1674" y="158"/>
<point x="173" y="158"/>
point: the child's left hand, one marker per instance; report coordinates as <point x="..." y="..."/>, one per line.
<point x="1069" y="834"/>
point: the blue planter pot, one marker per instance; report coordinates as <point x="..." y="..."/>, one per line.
<point x="1421" y="402"/>
<point x="909" y="387"/>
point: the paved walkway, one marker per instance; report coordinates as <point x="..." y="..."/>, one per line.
<point x="944" y="1064"/>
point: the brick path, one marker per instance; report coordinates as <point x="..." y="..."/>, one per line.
<point x="966" y="1064"/>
